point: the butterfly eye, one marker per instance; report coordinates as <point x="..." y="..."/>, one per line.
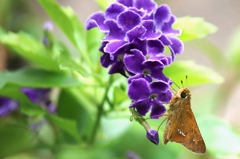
<point x="183" y="95"/>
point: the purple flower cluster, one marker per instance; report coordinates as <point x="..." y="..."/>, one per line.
<point x="137" y="32"/>
<point x="36" y="95"/>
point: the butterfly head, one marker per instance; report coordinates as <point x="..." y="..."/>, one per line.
<point x="183" y="93"/>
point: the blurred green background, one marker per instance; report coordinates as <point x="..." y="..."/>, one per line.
<point x="214" y="98"/>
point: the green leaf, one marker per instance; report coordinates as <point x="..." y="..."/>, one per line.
<point x="29" y="108"/>
<point x="194" y="28"/>
<point x="93" y="40"/>
<point x="197" y="74"/>
<point x="69" y="23"/>
<point x="33" y="77"/>
<point x="233" y="51"/>
<point x="221" y="140"/>
<point x="14" y="138"/>
<point x="72" y="107"/>
<point x="119" y="96"/>
<point x="67" y="62"/>
<point x="104" y="3"/>
<point x="66" y="125"/>
<point x="30" y="49"/>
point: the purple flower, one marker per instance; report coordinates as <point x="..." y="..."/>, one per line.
<point x="152" y="135"/>
<point x="40" y="96"/>
<point x="36" y="95"/>
<point x="47" y="37"/>
<point x="132" y="155"/>
<point x="7" y="106"/>
<point x="135" y="24"/>
<point x="48" y="26"/>
<point x="137" y="64"/>
<point x="149" y="96"/>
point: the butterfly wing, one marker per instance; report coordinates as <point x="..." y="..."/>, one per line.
<point x="182" y="128"/>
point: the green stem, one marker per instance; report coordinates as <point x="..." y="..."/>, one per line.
<point x="99" y="113"/>
<point x="140" y="119"/>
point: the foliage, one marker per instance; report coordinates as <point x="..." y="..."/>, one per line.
<point x="92" y="117"/>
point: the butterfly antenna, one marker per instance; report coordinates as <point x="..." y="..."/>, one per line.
<point x="182" y="84"/>
<point x="176" y="84"/>
<point x="186" y="80"/>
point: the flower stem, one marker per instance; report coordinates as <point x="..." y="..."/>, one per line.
<point x="100" y="112"/>
<point x="140" y="119"/>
